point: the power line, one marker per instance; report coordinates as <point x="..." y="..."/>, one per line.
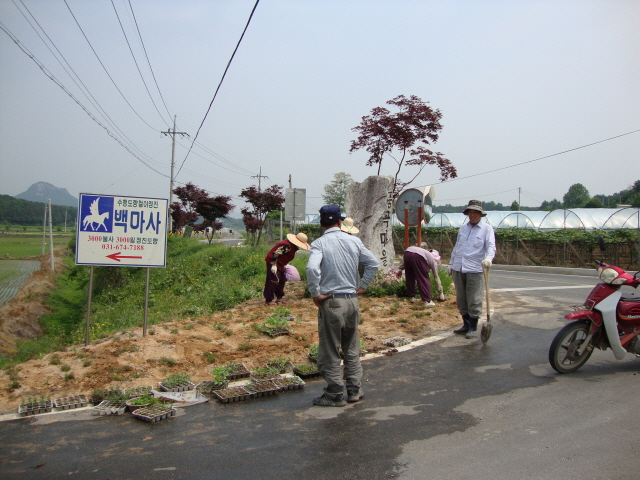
<point x="147" y="57"/>
<point x="57" y="82"/>
<point x="135" y="61"/>
<point x="105" y="68"/>
<point x="538" y="159"/>
<point x="217" y="165"/>
<point x="83" y="89"/>
<point x="220" y="84"/>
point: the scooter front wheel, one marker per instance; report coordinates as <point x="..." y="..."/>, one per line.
<point x="563" y="353"/>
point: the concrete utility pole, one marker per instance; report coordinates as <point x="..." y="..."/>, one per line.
<point x="173" y="134"/>
<point x="259" y="177"/>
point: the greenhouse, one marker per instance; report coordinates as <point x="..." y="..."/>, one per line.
<point x="576" y="218"/>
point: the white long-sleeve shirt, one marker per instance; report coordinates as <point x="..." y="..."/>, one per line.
<point x="474" y="244"/>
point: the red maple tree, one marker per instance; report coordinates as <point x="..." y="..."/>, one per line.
<point x="403" y="136"/>
<point x="262" y="202"/>
<point x="196" y="202"/>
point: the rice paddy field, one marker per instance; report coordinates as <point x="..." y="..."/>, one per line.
<point x="26" y="245"/>
<point x="13" y="273"/>
<point x="18" y="258"/>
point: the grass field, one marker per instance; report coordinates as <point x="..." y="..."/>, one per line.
<point x="22" y="245"/>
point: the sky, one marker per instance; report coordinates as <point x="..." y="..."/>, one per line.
<point x="518" y="83"/>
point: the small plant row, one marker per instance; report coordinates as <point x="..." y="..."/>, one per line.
<point x="137" y="391"/>
<point x="257" y="388"/>
<point x="155" y="413"/>
<point x="277" y="323"/>
<point x="178" y="382"/>
<point x="35" y="405"/>
<point x="109" y="407"/>
<point x="73" y="401"/>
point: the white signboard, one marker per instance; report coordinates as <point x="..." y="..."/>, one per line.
<point x="295" y="204"/>
<point x="121" y="231"/>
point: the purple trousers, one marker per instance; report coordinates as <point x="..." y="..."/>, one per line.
<point x="274" y="286"/>
<point x="416" y="269"/>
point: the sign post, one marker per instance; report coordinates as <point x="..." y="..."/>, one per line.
<point x="295" y="205"/>
<point x="121" y="231"/>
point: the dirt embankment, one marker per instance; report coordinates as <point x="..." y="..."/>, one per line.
<point x="194" y="345"/>
<point x="19" y="316"/>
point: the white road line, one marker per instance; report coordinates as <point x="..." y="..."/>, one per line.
<point x="528" y="289"/>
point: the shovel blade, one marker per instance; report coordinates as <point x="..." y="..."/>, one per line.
<point x="485" y="332"/>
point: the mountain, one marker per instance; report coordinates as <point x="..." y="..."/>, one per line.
<point x="43" y="191"/>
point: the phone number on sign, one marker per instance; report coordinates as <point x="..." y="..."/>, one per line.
<point x="110" y="246"/>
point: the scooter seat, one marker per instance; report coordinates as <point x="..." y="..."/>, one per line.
<point x="631" y="297"/>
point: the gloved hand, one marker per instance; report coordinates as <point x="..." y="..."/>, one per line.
<point x="399" y="273"/>
<point x="274" y="269"/>
<point x="439" y="289"/>
<point x="449" y="270"/>
<point x="486" y="263"/>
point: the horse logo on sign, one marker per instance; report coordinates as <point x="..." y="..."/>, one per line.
<point x="95" y="217"/>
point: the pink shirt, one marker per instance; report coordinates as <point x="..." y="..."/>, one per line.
<point x="431" y="261"/>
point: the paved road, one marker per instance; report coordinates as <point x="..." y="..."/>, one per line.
<point x="452" y="409"/>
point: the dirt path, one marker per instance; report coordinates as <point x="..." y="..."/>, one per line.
<point x="195" y="345"/>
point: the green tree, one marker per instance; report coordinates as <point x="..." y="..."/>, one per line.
<point x="631" y="196"/>
<point x="552" y="205"/>
<point x="576" y="196"/>
<point x="594" y="202"/>
<point x="335" y="191"/>
<point x="515" y="206"/>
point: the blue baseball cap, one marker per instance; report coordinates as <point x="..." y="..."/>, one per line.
<point x="331" y="212"/>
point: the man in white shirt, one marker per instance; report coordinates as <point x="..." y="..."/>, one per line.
<point x="475" y="249"/>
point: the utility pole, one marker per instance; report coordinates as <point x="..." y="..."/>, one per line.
<point x="173" y="134"/>
<point x="259" y="177"/>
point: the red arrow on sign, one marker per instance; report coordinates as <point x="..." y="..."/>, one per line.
<point x="117" y="256"/>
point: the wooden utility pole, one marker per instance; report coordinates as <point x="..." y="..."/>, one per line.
<point x="259" y="177"/>
<point x="173" y="134"/>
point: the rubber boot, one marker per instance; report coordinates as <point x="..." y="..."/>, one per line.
<point x="473" y="326"/>
<point x="465" y="327"/>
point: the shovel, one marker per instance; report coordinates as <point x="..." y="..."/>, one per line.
<point x="485" y="332"/>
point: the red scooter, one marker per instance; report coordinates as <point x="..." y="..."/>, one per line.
<point x="608" y="319"/>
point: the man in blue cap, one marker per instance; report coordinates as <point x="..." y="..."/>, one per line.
<point x="334" y="284"/>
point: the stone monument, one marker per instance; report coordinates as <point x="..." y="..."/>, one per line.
<point x="370" y="204"/>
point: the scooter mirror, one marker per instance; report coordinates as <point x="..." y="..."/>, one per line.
<point x="603" y="248"/>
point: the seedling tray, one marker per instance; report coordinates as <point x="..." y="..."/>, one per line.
<point x="396" y="341"/>
<point x="181" y="387"/>
<point x="137" y="391"/>
<point x="264" y="378"/>
<point x="108" y="407"/>
<point x="154" y="413"/>
<point x="289" y="383"/>
<point x="261" y="389"/>
<point x="209" y="386"/>
<point x="232" y="394"/>
<point x="238" y="370"/>
<point x="301" y="374"/>
<point x="74" y="401"/>
<point x="34" y="408"/>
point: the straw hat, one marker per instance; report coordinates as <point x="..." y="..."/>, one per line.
<point x="348" y="226"/>
<point x="299" y="240"/>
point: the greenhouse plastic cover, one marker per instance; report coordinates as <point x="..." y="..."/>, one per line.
<point x="576" y="218"/>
